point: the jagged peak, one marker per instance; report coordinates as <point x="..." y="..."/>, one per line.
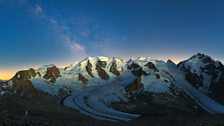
<point x="170" y="61"/>
<point x="72" y="66"/>
<point x="42" y="70"/>
<point x="201" y="56"/>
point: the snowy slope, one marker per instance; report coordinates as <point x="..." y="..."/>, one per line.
<point x="204" y="101"/>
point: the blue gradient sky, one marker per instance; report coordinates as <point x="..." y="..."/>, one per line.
<point x="33" y="33"/>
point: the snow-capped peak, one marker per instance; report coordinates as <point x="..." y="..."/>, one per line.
<point x="42" y="70"/>
<point x="204" y="73"/>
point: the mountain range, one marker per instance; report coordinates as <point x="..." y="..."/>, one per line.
<point x="116" y="90"/>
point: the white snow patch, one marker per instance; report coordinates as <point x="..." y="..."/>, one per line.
<point x="153" y="84"/>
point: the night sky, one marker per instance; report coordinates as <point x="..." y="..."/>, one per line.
<point x="34" y="33"/>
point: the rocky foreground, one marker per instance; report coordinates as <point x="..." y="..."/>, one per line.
<point x="45" y="111"/>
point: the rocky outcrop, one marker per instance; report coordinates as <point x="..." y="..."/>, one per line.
<point x="89" y="68"/>
<point x="133" y="66"/>
<point x="113" y="69"/>
<point x="100" y="65"/>
<point x="38" y="73"/>
<point x="24" y="75"/>
<point x="25" y="88"/>
<point x="21" y="83"/>
<point x="217" y="87"/>
<point x="136" y="70"/>
<point x="198" y="56"/>
<point x="62" y="92"/>
<point x="52" y="74"/>
<point x="82" y="79"/>
<point x="210" y="69"/>
<point x="194" y="79"/>
<point x="151" y="66"/>
<point x="135" y="86"/>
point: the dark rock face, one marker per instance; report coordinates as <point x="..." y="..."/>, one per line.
<point x="113" y="69"/>
<point x="25" y="88"/>
<point x="62" y="92"/>
<point x="22" y="84"/>
<point x="82" y="79"/>
<point x="52" y="74"/>
<point x="181" y="66"/>
<point x="102" y="64"/>
<point x="207" y="59"/>
<point x="38" y="73"/>
<point x="157" y="76"/>
<point x="217" y="88"/>
<point x="24" y="75"/>
<point x="136" y="70"/>
<point x="210" y="69"/>
<point x="194" y="79"/>
<point x="133" y="66"/>
<point x="89" y="69"/>
<point x="32" y="72"/>
<point x="199" y="56"/>
<point x="135" y="86"/>
<point x="150" y="65"/>
<point x="221" y="67"/>
<point x="101" y="72"/>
